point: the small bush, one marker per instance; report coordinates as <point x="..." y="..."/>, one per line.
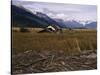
<point x="24" y="30"/>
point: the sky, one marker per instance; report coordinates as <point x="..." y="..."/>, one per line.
<point x="61" y="11"/>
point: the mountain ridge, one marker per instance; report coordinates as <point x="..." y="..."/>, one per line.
<point x="26" y="18"/>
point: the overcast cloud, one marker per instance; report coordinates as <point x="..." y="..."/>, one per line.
<point x="63" y="11"/>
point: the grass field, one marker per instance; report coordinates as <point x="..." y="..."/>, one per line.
<point x="72" y="41"/>
<point x="72" y="50"/>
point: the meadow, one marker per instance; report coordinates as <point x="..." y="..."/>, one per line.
<point x="72" y="50"/>
<point x="70" y="41"/>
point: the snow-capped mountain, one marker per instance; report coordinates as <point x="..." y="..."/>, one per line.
<point x="40" y="19"/>
<point x="92" y="25"/>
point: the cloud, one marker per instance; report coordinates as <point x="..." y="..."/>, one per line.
<point x="61" y="15"/>
<point x="63" y="11"/>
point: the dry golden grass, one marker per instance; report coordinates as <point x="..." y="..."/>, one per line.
<point x="72" y="41"/>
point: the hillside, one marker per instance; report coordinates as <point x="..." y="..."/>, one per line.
<point x="23" y="18"/>
<point x="92" y="25"/>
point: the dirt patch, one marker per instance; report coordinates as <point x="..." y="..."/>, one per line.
<point x="32" y="61"/>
